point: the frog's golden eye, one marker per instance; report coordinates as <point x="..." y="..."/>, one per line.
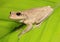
<point x="18" y="13"/>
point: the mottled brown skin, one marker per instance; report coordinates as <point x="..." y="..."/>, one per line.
<point x="31" y="16"/>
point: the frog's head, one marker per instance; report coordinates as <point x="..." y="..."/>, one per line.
<point x="17" y="15"/>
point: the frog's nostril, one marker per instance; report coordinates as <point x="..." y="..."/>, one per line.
<point x="10" y="12"/>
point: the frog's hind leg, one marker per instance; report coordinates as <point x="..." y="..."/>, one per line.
<point x="37" y="25"/>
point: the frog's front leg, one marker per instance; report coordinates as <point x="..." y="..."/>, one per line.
<point x="28" y="28"/>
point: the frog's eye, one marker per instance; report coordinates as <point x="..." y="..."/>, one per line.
<point x="18" y="14"/>
<point x="10" y="12"/>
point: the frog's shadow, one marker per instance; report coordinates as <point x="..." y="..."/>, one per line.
<point x="19" y="27"/>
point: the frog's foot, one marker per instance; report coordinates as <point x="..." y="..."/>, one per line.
<point x="20" y="35"/>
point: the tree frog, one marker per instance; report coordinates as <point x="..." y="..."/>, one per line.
<point x="31" y="16"/>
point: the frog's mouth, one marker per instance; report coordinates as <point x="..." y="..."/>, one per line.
<point x="16" y="19"/>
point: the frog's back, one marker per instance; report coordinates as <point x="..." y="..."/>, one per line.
<point x="38" y="12"/>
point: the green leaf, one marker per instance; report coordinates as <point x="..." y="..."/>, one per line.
<point x="49" y="31"/>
